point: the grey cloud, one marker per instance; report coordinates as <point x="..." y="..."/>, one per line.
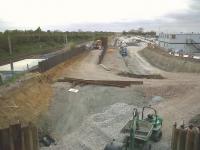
<point x="2" y="25"/>
<point x="188" y="21"/>
<point x="195" y="5"/>
<point x="113" y="26"/>
<point x="5" y="25"/>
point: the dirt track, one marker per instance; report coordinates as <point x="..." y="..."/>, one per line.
<point x="71" y="115"/>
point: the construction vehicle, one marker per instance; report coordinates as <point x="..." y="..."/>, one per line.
<point x="138" y="132"/>
<point x="123" y="49"/>
<point x="98" y="44"/>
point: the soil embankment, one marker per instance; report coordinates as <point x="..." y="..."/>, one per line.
<point x="30" y="96"/>
<point x="24" y="102"/>
<point x="164" y="61"/>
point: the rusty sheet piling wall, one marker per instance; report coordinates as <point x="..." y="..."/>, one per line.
<point x="185" y="138"/>
<point x="105" y="46"/>
<point x="55" y="60"/>
<point x="17" y="137"/>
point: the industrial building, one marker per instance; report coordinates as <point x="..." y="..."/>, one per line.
<point x="184" y="42"/>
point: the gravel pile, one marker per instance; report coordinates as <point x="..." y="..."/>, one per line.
<point x="97" y="129"/>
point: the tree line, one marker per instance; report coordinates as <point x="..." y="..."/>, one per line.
<point x="140" y="31"/>
<point x="20" y="37"/>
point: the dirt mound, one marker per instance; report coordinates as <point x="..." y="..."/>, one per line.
<point x="30" y="96"/>
<point x="25" y="102"/>
<point x="164" y="61"/>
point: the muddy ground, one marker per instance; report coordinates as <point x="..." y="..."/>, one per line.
<point x="94" y="116"/>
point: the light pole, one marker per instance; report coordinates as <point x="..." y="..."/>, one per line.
<point x="11" y="53"/>
<point x="66" y="41"/>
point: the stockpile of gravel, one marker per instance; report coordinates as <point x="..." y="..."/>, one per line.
<point x="97" y="129"/>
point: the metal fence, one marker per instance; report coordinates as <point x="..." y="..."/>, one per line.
<point x="55" y="60"/>
<point x="17" y="137"/>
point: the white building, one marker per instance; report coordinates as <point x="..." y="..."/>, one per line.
<point x="186" y="42"/>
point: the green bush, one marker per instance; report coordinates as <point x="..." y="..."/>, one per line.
<point x="71" y="45"/>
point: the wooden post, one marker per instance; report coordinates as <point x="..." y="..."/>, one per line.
<point x="10" y="52"/>
<point x="5" y="139"/>
<point x="9" y="45"/>
<point x="16" y="136"/>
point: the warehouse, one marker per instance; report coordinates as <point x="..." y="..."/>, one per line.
<point x="186" y="42"/>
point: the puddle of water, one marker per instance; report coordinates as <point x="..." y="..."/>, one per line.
<point x="22" y="65"/>
<point x="18" y="67"/>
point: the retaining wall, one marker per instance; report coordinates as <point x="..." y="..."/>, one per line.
<point x="55" y="60"/>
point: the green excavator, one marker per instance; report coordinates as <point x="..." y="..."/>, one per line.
<point x="138" y="132"/>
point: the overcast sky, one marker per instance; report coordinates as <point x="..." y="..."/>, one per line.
<point x="109" y="15"/>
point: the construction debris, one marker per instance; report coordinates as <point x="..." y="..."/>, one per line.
<point x="106" y="68"/>
<point x="115" y="83"/>
<point x="73" y="90"/>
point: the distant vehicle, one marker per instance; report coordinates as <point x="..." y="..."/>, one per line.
<point x="98" y="44"/>
<point x="123" y="49"/>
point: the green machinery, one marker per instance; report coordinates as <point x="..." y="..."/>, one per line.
<point x="138" y="132"/>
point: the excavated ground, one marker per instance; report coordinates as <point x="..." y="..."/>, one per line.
<point x="94" y="115"/>
<point x="24" y="101"/>
<point x="30" y="96"/>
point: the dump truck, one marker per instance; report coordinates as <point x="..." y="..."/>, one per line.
<point x="138" y="132"/>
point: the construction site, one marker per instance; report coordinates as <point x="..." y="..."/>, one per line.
<point x="82" y="100"/>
